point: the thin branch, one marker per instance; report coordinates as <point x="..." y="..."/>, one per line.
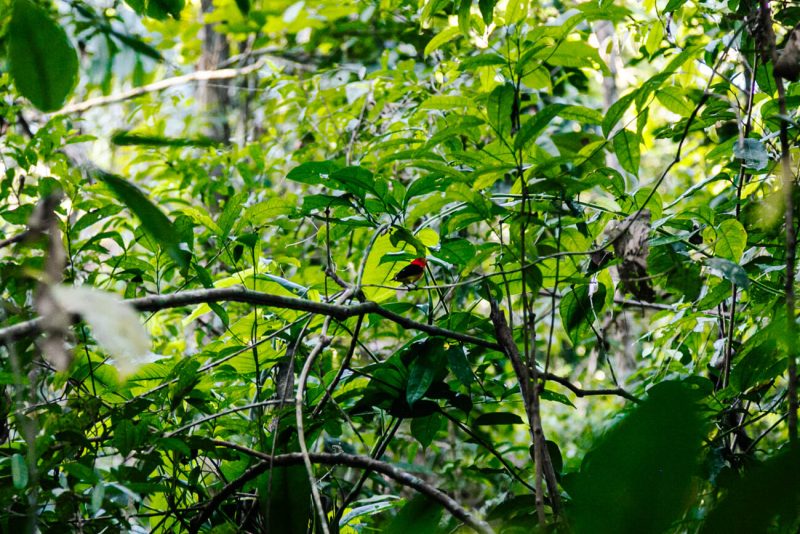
<point x="323" y="342"/>
<point x="349" y="460"/>
<point x="198" y="76"/>
<point x="589" y="392"/>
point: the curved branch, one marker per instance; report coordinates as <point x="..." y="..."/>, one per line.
<point x="350" y="460"/>
<point x="234" y="294"/>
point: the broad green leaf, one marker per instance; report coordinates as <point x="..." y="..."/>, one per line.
<point x="752" y="152"/>
<point x="286" y="496"/>
<point x="533" y="127"/>
<point x="516" y="11"/>
<point x="447" y="102"/>
<point x="464" y="7"/>
<point x="763" y="499"/>
<point x="482" y="60"/>
<point x="730" y="271"/>
<point x="19" y="471"/>
<point x="626" y="146"/>
<point x="577" y="54"/>
<point x="654" y="38"/>
<point x="487" y="9"/>
<point x="674" y="100"/>
<point x="730" y="240"/>
<point x="312" y="172"/>
<point x="673" y="5"/>
<point x="445" y="36"/>
<point x="157" y="9"/>
<point x="427" y="366"/>
<point x="459" y="365"/>
<point x="499" y="108"/>
<point x="153" y="220"/>
<point x="231" y="213"/>
<point x="424" y="429"/>
<point x="41" y="60"/>
<point x="638" y="478"/>
<point x="617" y="110"/>
<point x="556" y="397"/>
<point x="581" y="114"/>
<point x="420" y="515"/>
<point x="498" y="418"/>
<point x="244" y="6"/>
<point x="579" y="309"/>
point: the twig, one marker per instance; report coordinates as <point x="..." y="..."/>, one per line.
<point x="198" y="76"/>
<point x="350" y="460"/>
<point x="589" y="392"/>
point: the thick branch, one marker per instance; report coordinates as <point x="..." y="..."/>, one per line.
<point x="235" y="294"/>
<point x="350" y="460"/>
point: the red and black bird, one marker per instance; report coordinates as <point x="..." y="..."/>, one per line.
<point x="411" y="272"/>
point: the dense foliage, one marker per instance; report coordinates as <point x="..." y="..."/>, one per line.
<point x="204" y="205"/>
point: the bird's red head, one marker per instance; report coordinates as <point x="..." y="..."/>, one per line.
<point x="421" y="262"/>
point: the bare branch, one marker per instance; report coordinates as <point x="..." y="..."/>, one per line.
<point x="350" y="460"/>
<point x="198" y="76"/>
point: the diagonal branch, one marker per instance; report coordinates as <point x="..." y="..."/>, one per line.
<point x="350" y="460"/>
<point x="198" y="76"/>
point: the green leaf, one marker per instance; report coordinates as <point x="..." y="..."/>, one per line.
<point x="731" y="240"/>
<point x="154" y="222"/>
<point x="420" y="516"/>
<point x="464" y="16"/>
<point x="19" y="471"/>
<point x="424" y="429"/>
<point x="752" y="152"/>
<point x="556" y="397"/>
<point x="244" y="6"/>
<point x="498" y="418"/>
<point x="499" y="108"/>
<point x="231" y="213"/>
<point x="41" y="60"/>
<point x="763" y="499"/>
<point x="674" y="100"/>
<point x="487" y="9"/>
<point x="578" y="310"/>
<point x="626" y="146"/>
<point x="576" y="54"/>
<point x="157" y="9"/>
<point x="617" y="110"/>
<point x="287" y="499"/>
<point x="641" y="471"/>
<point x="446" y="35"/>
<point x="531" y="129"/>
<point x="673" y="5"/>
<point x="581" y="114"/>
<point x="654" y="38"/>
<point x="428" y="365"/>
<point x="458" y="363"/>
<point x="312" y="172"/>
<point x="128" y="138"/>
<point x="730" y="271"/>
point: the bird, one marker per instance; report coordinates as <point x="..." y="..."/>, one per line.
<point x="411" y="272"/>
